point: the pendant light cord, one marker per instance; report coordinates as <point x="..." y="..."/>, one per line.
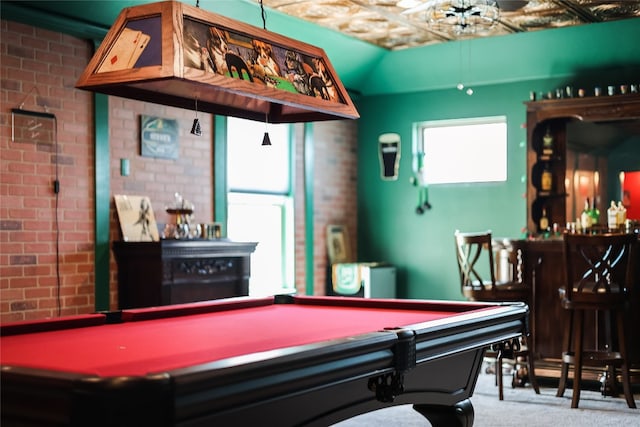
<point x="262" y="13"/>
<point x="264" y="17"/>
<point x="56" y="190"/>
<point x="266" y="140"/>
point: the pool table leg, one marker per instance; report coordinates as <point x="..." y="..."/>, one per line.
<point x="460" y="415"/>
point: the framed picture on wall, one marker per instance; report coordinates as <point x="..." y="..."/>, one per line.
<point x="159" y="137"/>
<point x="137" y="222"/>
<point x="338" y="244"/>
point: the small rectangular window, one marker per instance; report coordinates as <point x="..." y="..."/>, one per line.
<point x="462" y="150"/>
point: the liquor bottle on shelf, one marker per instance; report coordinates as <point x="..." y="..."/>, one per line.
<point x="612" y="216"/>
<point x="585" y="217"/>
<point x="547" y="143"/>
<point x="544" y="221"/>
<point x="594" y="213"/>
<point x="546" y="180"/>
<point x="621" y="214"/>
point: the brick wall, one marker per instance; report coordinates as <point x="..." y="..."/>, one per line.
<point x="191" y="174"/>
<point x="334" y="186"/>
<point x="300" y="211"/>
<point x="52" y="62"/>
<point x="335" y="171"/>
<point x="45" y="66"/>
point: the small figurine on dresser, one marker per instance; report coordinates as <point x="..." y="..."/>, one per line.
<point x="182" y="227"/>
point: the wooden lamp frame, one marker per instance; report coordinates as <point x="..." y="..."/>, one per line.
<point x="166" y="73"/>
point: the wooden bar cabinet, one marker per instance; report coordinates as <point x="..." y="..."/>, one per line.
<point x="180" y="271"/>
<point x="552" y="120"/>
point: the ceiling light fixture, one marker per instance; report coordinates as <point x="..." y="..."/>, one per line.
<point x="463" y="16"/>
<point x="459" y="17"/>
<point x="169" y="53"/>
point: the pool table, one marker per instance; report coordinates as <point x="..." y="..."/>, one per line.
<point x="284" y="360"/>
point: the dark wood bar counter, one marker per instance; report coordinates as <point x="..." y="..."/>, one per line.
<point x="544" y="268"/>
<point x="555" y="146"/>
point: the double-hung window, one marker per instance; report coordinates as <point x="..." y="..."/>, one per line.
<point x="260" y="201"/>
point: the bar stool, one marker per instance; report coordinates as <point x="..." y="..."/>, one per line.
<point x="474" y="252"/>
<point x="599" y="270"/>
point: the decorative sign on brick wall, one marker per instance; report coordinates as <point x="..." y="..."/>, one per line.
<point x="32" y="126"/>
<point x="158" y="137"/>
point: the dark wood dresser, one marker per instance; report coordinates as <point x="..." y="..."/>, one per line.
<point x="181" y="271"/>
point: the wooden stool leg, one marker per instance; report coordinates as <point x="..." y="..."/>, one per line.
<point x="577" y="365"/>
<point x="609" y="385"/>
<point x="566" y="349"/>
<point x="499" y="374"/>
<point x="531" y="365"/>
<point x="532" y="374"/>
<point x="626" y="383"/>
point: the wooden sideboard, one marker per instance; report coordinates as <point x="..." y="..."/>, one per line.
<point x="544" y="269"/>
<point x="181" y="271"/>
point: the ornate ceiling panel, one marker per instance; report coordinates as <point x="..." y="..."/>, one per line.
<point x="386" y="23"/>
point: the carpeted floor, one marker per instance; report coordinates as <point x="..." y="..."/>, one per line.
<point x="520" y="407"/>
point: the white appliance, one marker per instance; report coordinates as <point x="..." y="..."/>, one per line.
<point x="368" y="280"/>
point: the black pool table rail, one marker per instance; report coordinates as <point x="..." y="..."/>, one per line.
<point x="433" y="365"/>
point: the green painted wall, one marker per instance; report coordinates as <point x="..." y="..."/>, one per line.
<point x="422" y="247"/>
<point x="578" y="52"/>
<point x="502" y="71"/>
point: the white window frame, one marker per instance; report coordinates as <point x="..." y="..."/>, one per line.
<point x="456" y="151"/>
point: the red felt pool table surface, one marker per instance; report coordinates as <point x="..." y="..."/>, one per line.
<point x="164" y="344"/>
